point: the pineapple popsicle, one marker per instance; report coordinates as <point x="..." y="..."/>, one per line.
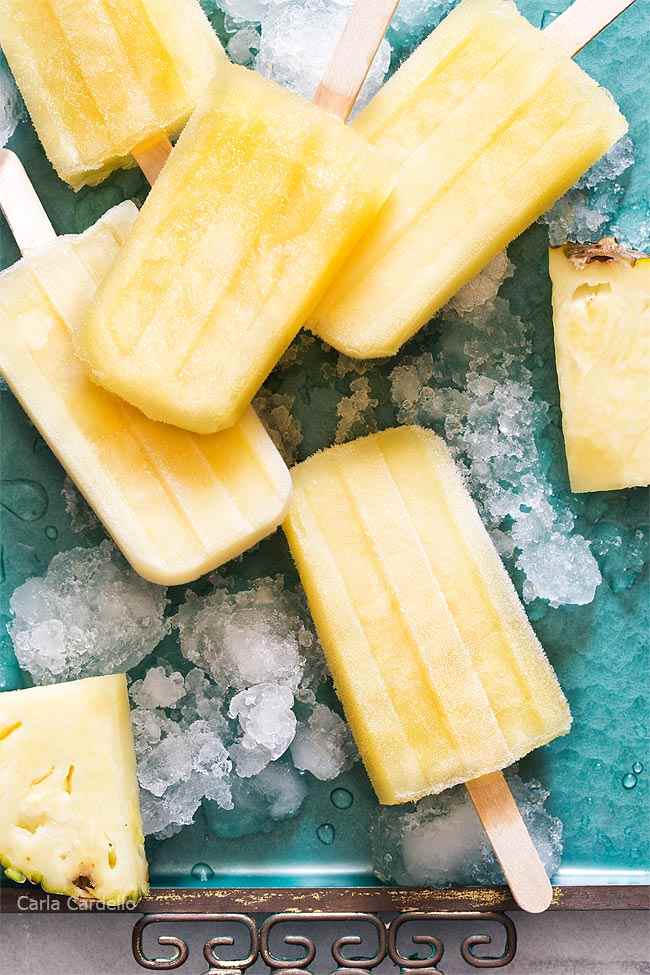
<point x="102" y="77"/>
<point x="439" y="672"/>
<point x="177" y="505"/>
<point x="257" y="207"/>
<point x="601" y="314"/>
<point x="485" y="125"/>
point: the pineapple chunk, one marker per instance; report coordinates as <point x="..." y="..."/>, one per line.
<point x="70" y="814"/>
<point x="601" y="313"/>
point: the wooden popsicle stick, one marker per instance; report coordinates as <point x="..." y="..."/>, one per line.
<point x="353" y="56"/>
<point x="511" y="841"/>
<point x="152" y="155"/>
<point x="21" y="206"/>
<point x="582" y="21"/>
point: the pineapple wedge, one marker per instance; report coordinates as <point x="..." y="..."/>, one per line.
<point x="70" y="813"/>
<point x="601" y="313"/>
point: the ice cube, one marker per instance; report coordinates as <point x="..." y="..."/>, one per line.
<point x="323" y="745"/>
<point x="355" y="412"/>
<point x="439" y="841"/>
<point x="268" y="724"/>
<point x="11" y="107"/>
<point x="82" y="516"/>
<point x="260" y="802"/>
<point x="256" y="636"/>
<point x="275" y="412"/>
<point x="181" y="736"/>
<point x="158" y="689"/>
<point x="91" y="614"/>
<point x="244" y="45"/>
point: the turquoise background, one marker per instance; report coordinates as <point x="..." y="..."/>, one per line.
<point x="598" y="650"/>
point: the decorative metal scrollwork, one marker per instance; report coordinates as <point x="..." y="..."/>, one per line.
<point x="386" y="937"/>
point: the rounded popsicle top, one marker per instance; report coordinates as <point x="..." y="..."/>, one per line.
<point x="99" y="77"/>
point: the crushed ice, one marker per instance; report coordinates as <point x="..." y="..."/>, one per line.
<point x="90" y="614"/>
<point x="11" y="106"/>
<point x="585" y="212"/>
<point x="439" y="840"/>
<point x="286" y="30"/>
<point x="82" y="516"/>
<point x="490" y="419"/>
<point x="213" y="737"/>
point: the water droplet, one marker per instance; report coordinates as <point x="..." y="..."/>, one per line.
<point x="52" y="533"/>
<point x="27" y="500"/>
<point x="341" y="798"/>
<point x="202" y="871"/>
<point x="326" y="833"/>
<point x="637" y="767"/>
<point x="629" y="780"/>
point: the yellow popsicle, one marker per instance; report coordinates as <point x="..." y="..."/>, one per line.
<point x="176" y="504"/>
<point x="259" y="204"/>
<point x="485" y="125"/>
<point x="101" y="77"/>
<point x="439" y="672"/>
<point x="601" y="314"/>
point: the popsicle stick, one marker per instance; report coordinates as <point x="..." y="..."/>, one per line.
<point x="353" y="56"/>
<point x="151" y="156"/>
<point x="583" y="20"/>
<point x="21" y="206"/>
<point x="511" y="841"/>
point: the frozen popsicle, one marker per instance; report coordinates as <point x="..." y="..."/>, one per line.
<point x="439" y="672"/>
<point x="261" y="201"/>
<point x="102" y="77"/>
<point x="485" y="126"/>
<point x="601" y="314"/>
<point x="176" y="504"/>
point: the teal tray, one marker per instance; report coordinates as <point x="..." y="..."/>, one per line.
<point x="598" y="650"/>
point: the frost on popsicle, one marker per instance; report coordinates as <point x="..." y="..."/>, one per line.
<point x="440" y="840"/>
<point x="89" y="615"/>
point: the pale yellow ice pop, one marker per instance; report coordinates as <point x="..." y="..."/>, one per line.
<point x="439" y="672"/>
<point x="601" y="315"/>
<point x="103" y="77"/>
<point x="258" y="205"/>
<point x="176" y="504"/>
<point x="485" y="126"/>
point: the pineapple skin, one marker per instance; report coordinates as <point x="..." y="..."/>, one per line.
<point x="68" y="773"/>
<point x="601" y="316"/>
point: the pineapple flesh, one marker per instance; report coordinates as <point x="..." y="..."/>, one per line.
<point x="70" y="814"/>
<point x="601" y="313"/>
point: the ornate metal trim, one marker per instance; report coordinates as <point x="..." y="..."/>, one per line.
<point x="387" y="937"/>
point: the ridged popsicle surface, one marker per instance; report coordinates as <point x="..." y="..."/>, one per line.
<point x="259" y="204"/>
<point x="486" y="125"/>
<point x="176" y="504"/>
<point x="440" y="674"/>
